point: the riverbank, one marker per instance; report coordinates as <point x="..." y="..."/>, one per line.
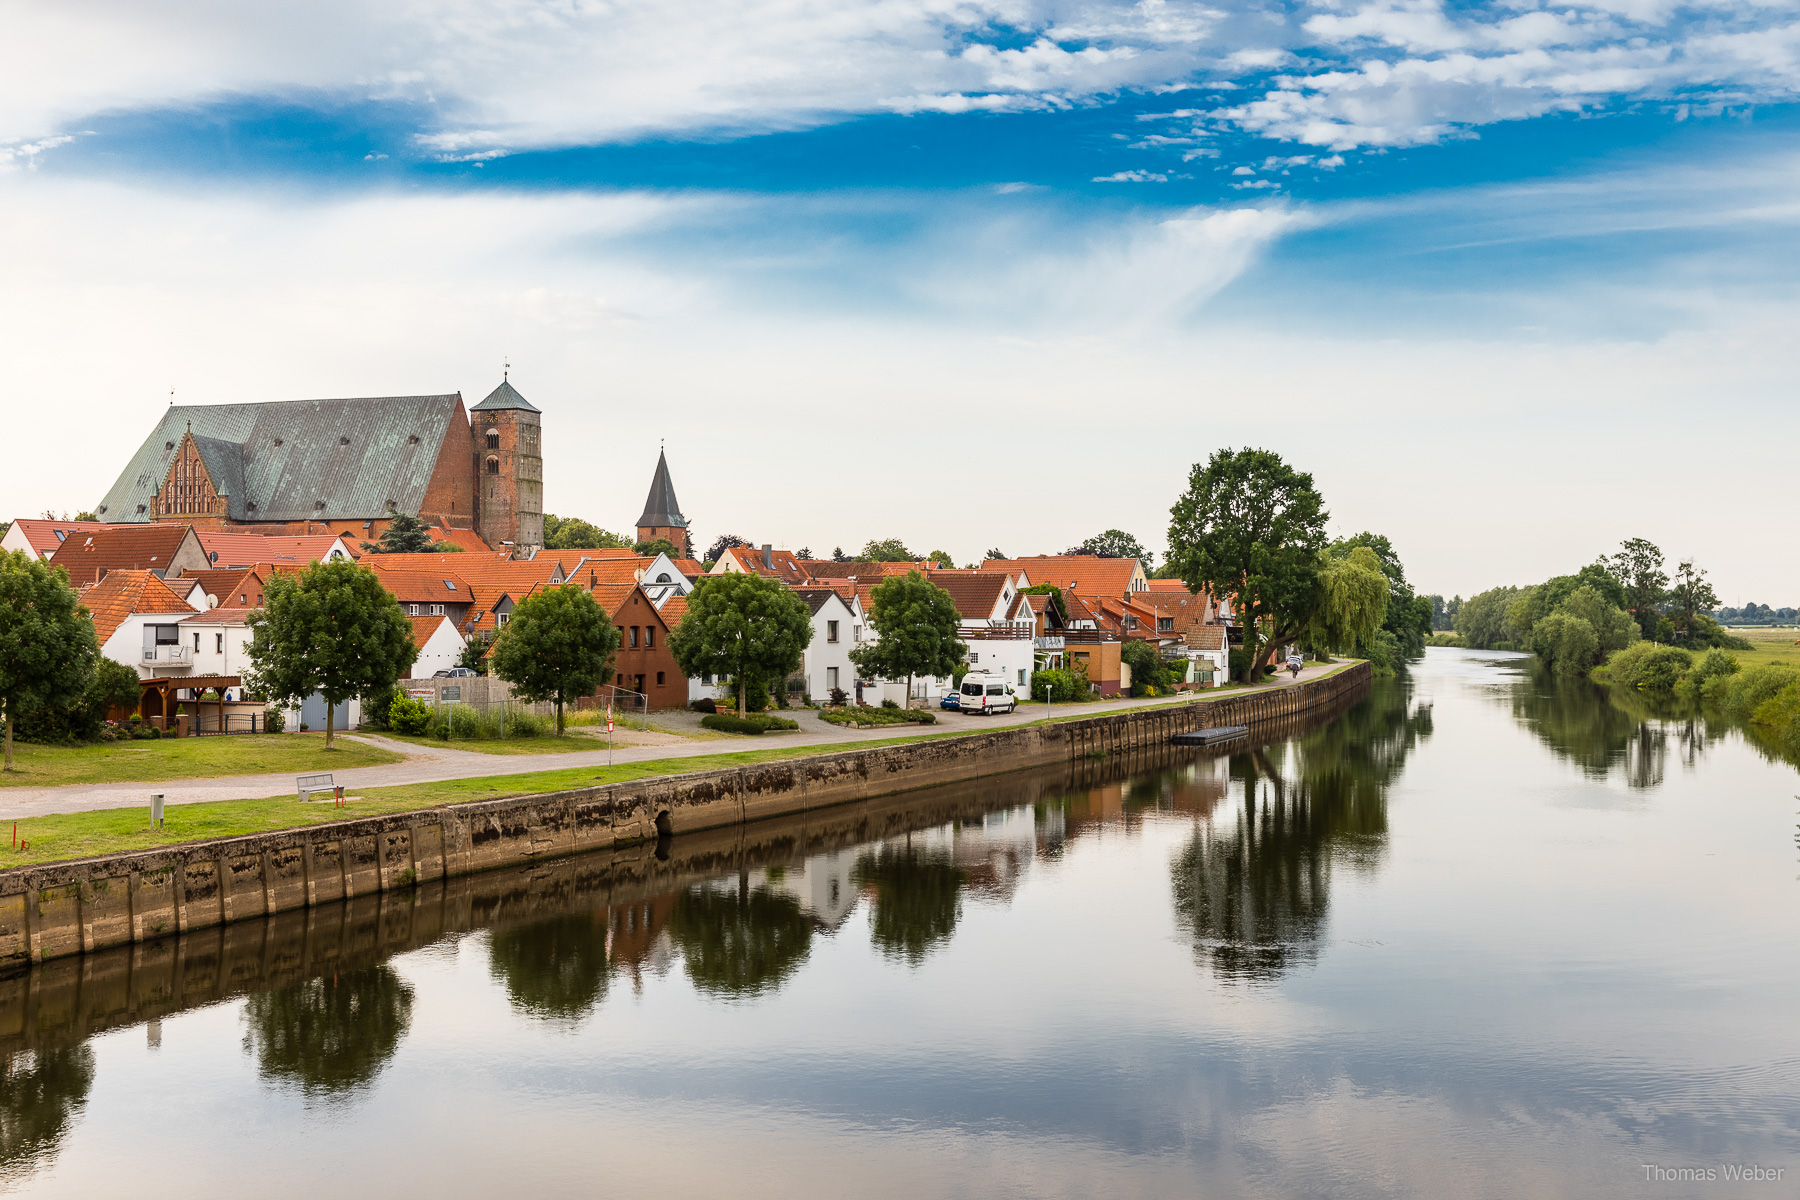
<point x="78" y="906"/>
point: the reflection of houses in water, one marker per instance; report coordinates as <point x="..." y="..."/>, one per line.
<point x="993" y="850"/>
<point x="822" y="884"/>
<point x="1193" y="788"/>
<point x="636" y="940"/>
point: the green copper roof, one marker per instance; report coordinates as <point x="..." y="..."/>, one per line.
<point x="504" y="396"/>
<point x="277" y="462"/>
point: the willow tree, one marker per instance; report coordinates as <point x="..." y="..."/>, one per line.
<point x="1353" y="600"/>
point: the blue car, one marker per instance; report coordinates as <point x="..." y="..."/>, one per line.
<point x="949" y="701"/>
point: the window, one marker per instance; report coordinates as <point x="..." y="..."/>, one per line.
<point x="831" y="678"/>
<point x="450" y="584"/>
<point x="634" y="631"/>
<point x="856" y="633"/>
<point x="196" y="643"/>
<point x="493" y="439"/>
<point x="659" y="677"/>
<point x="493" y="466"/>
<point x="502" y="618"/>
<point x="1165" y="624"/>
<point x="1021" y="676"/>
<point x="974" y="657"/>
<point x="831" y="631"/>
<point x="437" y="610"/>
<point x="218" y="643"/>
<point x="650" y="638"/>
<point x="412" y="610"/>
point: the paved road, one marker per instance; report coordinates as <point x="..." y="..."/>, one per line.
<point x="430" y="764"/>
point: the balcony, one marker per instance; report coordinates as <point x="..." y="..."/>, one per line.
<point x="176" y="658"/>
<point x="1053" y="642"/>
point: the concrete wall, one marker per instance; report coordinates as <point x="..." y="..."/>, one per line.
<point x="78" y="907"/>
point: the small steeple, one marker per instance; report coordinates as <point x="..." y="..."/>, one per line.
<point x="661" y="510"/>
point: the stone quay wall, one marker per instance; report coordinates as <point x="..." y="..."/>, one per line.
<point x="84" y="905"/>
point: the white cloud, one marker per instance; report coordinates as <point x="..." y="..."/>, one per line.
<point x="1132" y="177"/>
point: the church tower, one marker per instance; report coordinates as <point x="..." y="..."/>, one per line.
<point x="662" y="515"/>
<point x="507" y="431"/>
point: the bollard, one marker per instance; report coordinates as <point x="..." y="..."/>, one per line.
<point x="156" y="808"/>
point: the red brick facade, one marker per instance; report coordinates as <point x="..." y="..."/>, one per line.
<point x="508" y="457"/>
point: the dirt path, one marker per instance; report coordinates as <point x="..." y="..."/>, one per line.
<point x="431" y="764"/>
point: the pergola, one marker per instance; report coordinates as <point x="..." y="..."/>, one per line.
<point x="158" y="691"/>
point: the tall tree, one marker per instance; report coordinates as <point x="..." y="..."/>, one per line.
<point x="1114" y="543"/>
<point x="656" y="546"/>
<point x="333" y="629"/>
<point x="47" y="646"/>
<point x="887" y="550"/>
<point x="941" y="558"/>
<point x="996" y="552"/>
<point x="1639" y="567"/>
<point x="557" y="645"/>
<point x="405" y="534"/>
<point x="742" y="626"/>
<point x="1353" y="600"/>
<point x="1692" y="594"/>
<point x="1250" y="528"/>
<point x="573" y="533"/>
<point x="916" y="624"/>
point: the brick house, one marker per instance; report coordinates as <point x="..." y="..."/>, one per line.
<point x="644" y="662"/>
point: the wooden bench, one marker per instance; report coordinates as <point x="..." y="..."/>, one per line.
<point x="306" y="785"/>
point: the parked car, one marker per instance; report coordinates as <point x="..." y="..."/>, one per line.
<point x="453" y="673"/>
<point x="986" y="694"/>
<point x="949" y="700"/>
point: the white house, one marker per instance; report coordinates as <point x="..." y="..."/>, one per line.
<point x="999" y="630"/>
<point x="440" y="646"/>
<point x="662" y="578"/>
<point x="40" y="538"/>
<point x="837" y="627"/>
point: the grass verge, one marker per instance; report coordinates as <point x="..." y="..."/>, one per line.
<point x="168" y="759"/>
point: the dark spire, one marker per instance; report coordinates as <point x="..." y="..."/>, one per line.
<point x="661" y="509"/>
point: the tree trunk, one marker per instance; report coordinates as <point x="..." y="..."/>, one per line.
<point x="741" y="712"/>
<point x="559" y="717"/>
<point x="7" y="709"/>
<point x="330" y="711"/>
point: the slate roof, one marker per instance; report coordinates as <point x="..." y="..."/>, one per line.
<point x="660" y="507"/>
<point x="285" y="457"/>
<point x="123" y="593"/>
<point x="505" y="397"/>
<point x="818" y="597"/>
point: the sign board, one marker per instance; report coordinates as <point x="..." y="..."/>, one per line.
<point x="453" y="692"/>
<point x="422" y="693"/>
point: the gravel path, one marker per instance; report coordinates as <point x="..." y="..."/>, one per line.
<point x="430" y="764"/>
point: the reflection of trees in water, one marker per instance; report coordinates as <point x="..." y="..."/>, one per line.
<point x="918" y="899"/>
<point x="40" y="1096"/>
<point x="332" y="1035"/>
<point x="1602" y="729"/>
<point x="740" y="943"/>
<point x="1254" y="897"/>
<point x="555" y="969"/>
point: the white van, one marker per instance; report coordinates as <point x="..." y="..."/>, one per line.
<point x="986" y="694"/>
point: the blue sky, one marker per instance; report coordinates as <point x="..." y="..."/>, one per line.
<point x="1514" y="281"/>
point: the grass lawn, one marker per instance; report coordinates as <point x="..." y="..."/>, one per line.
<point x="110" y="831"/>
<point x="1771" y="645"/>
<point x="186" y="758"/>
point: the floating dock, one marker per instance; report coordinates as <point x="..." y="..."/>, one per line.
<point x="1207" y="737"/>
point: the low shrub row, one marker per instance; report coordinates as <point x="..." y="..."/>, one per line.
<point x="878" y="716"/>
<point x="755" y="723"/>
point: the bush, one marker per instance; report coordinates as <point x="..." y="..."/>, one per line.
<point x="1055" y="685"/>
<point x="409" y="716"/>
<point x="377" y="707"/>
<point x="840" y="697"/>
<point x="879" y="716"/>
<point x="755" y="724"/>
<point x="889" y="703"/>
<point x="460" y="722"/>
<point x="704" y="705"/>
<point x="273" y="721"/>
<point x="1743" y="693"/>
<point x="1649" y="666"/>
<point x="112" y="685"/>
<point x="1705" y="680"/>
<point x="756" y="694"/>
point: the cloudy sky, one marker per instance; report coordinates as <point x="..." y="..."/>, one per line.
<point x="1513" y="281"/>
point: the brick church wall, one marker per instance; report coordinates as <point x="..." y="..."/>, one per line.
<point x="451" y="492"/>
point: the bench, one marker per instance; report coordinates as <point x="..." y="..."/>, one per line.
<point x="306" y="785"/>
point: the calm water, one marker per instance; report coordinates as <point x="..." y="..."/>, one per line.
<point x="1479" y="936"/>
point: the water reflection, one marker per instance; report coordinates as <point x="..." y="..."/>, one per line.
<point x="329" y="1036"/>
<point x="917" y="899"/>
<point x="1607" y="732"/>
<point x="553" y="970"/>
<point x="739" y="941"/>
<point x="41" y="1094"/>
<point x="1252" y="893"/>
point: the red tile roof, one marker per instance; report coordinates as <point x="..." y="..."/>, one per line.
<point x="125" y="592"/>
<point x="427" y="587"/>
<point x="786" y="567"/>
<point x="221" y="616"/>
<point x="43" y="534"/>
<point x="242" y="549"/>
<point x="242" y="587"/>
<point x="424" y="627"/>
<point x="673" y="609"/>
<point x="150" y="547"/>
<point x="1083" y="573"/>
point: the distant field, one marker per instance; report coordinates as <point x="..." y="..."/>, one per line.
<point x="1771" y="645"/>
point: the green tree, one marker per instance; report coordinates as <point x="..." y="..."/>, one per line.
<point x="111" y="686"/>
<point x="333" y="629"/>
<point x="572" y="533"/>
<point x="717" y="550"/>
<point x="42" y="1091"/>
<point x="47" y="646"/>
<point x="1115" y="543"/>
<point x="742" y="625"/>
<point x="887" y="550"/>
<point x="994" y="552"/>
<point x="1481" y="619"/>
<point x="329" y="1036"/>
<point x="405" y="534"/>
<point x="1409" y="616"/>
<point x="1147" y="667"/>
<point x="742" y="942"/>
<point x="918" y="900"/>
<point x="941" y="558"/>
<point x="1692" y="595"/>
<point x="916" y="623"/>
<point x="1613" y="627"/>
<point x="656" y="546"/>
<point x="1353" y="600"/>
<point x="1639" y="567"/>
<point x="557" y="645"/>
<point x="1250" y="528"/>
<point x="555" y="970"/>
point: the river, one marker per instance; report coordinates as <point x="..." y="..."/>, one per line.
<point x="1482" y="934"/>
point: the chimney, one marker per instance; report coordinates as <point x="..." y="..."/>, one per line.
<point x="768" y="557"/>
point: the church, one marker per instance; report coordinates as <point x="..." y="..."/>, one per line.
<point x="345" y="466"/>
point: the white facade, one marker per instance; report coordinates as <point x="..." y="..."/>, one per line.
<point x="662" y="579"/>
<point x="441" y="651"/>
<point x="826" y="663"/>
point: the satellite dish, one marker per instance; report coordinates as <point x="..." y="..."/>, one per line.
<point x="212" y="601"/>
<point x="213" y="558"/>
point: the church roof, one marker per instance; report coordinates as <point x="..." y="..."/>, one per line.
<point x="661" y="509"/>
<point x="503" y="397"/>
<point x="277" y="462"/>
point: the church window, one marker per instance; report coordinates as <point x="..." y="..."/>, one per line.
<point x="493" y="466"/>
<point x="493" y="439"/>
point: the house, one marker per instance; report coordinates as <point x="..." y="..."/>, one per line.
<point x="42" y="537"/>
<point x="137" y="619"/>
<point x="1001" y="636"/>
<point x="426" y="594"/>
<point x="240" y="587"/>
<point x="352" y="463"/>
<point x="232" y="548"/>
<point x="662" y="574"/>
<point x="165" y="550"/>
<point x="644" y="662"/>
<point x="673" y="608"/>
<point x="767" y="562"/>
<point x="1090" y="643"/>
<point x="1208" y="649"/>
<point x="1084" y="574"/>
<point x="837" y="629"/>
<point x="440" y="646"/>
